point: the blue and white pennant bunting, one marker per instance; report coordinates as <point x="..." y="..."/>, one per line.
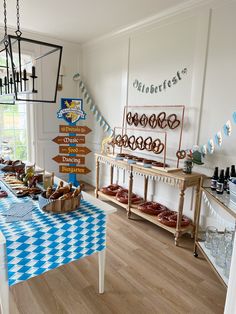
<point x="93" y="108"/>
<point x="217" y="140"/>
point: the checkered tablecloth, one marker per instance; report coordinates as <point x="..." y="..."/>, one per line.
<point x="49" y="241"/>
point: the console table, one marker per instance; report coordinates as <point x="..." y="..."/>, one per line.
<point x="178" y="179"/>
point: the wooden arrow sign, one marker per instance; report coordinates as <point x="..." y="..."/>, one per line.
<point x="62" y="159"/>
<point x="74" y="150"/>
<point x="69" y="140"/>
<point x="74" y="129"/>
<point x="71" y="169"/>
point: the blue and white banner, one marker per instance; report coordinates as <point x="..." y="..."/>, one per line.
<point x="93" y="108"/>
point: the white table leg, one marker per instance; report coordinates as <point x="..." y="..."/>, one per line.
<point x="101" y="266"/>
<point x="4" y="288"/>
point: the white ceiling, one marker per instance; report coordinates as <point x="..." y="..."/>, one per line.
<point x="81" y="21"/>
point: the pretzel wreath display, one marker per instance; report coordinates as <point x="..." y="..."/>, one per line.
<point x="162" y="120"/>
<point x="156" y="146"/>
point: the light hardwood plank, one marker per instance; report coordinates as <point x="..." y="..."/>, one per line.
<point x="145" y="273"/>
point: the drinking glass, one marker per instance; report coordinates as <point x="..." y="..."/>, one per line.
<point x="229" y="250"/>
<point x="221" y="252"/>
<point x="229" y="234"/>
<point x="210" y="233"/>
<point x="215" y="243"/>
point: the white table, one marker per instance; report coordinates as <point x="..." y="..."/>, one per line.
<point x="4" y="288"/>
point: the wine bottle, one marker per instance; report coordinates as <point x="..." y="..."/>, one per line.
<point x="220" y="183"/>
<point x="232" y="172"/>
<point x="226" y="182"/>
<point x="214" y="179"/>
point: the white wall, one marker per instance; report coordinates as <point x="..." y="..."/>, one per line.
<point x="45" y="125"/>
<point x="200" y="39"/>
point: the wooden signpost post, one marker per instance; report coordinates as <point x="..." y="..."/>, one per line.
<point x="72" y="111"/>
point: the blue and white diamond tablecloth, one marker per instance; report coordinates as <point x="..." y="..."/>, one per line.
<point x="49" y="241"/>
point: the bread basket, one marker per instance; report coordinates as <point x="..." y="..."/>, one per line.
<point x="58" y="206"/>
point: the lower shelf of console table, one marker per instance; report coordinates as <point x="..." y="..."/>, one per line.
<point x="151" y="218"/>
<point x="178" y="179"/>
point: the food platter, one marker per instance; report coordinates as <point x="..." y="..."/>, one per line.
<point x="18" y="188"/>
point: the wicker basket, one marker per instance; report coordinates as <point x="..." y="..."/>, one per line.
<point x="58" y="206"/>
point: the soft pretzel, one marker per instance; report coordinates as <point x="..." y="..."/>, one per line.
<point x="125" y="140"/>
<point x="135" y="119"/>
<point x="161" y="120"/>
<point x="148" y="143"/>
<point x="129" y="118"/>
<point x="153" y="121"/>
<point x="132" y="143"/>
<point x="172" y="121"/>
<point x="157" y="146"/>
<point x="118" y="140"/>
<point x="181" y="154"/>
<point x="111" y="189"/>
<point x="123" y="195"/>
<point x="143" y="120"/>
<point x="140" y="143"/>
<point x="152" y="208"/>
<point x="169" y="218"/>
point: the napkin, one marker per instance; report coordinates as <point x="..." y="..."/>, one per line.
<point x="18" y="210"/>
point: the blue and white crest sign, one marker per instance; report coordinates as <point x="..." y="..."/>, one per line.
<point x="71" y="110"/>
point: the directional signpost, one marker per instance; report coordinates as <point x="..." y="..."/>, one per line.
<point x="64" y="159"/>
<point x="69" y="140"/>
<point x="72" y="111"/>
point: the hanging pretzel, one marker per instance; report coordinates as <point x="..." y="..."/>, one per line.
<point x="148" y="143"/>
<point x="153" y="121"/>
<point x="135" y="119"/>
<point x="172" y="121"/>
<point x="129" y="118"/>
<point x="181" y="154"/>
<point x="157" y="146"/>
<point x="140" y="143"/>
<point x="161" y="120"/>
<point x="118" y="140"/>
<point x="143" y="120"/>
<point x="132" y="143"/>
<point x="125" y="140"/>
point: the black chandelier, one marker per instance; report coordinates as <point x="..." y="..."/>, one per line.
<point x="29" y="69"/>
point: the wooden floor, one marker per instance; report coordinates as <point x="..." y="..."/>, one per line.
<point x="145" y="273"/>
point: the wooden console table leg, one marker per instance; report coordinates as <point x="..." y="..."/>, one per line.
<point x="196" y="208"/>
<point x="111" y="174"/>
<point x="130" y="194"/>
<point x="97" y="178"/>
<point x="145" y="188"/>
<point x="196" y="222"/>
<point x="179" y="217"/>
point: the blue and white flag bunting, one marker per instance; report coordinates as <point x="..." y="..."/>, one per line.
<point x="93" y="108"/>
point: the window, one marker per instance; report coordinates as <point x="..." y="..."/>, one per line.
<point x="13" y="131"/>
<point x="13" y="124"/>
